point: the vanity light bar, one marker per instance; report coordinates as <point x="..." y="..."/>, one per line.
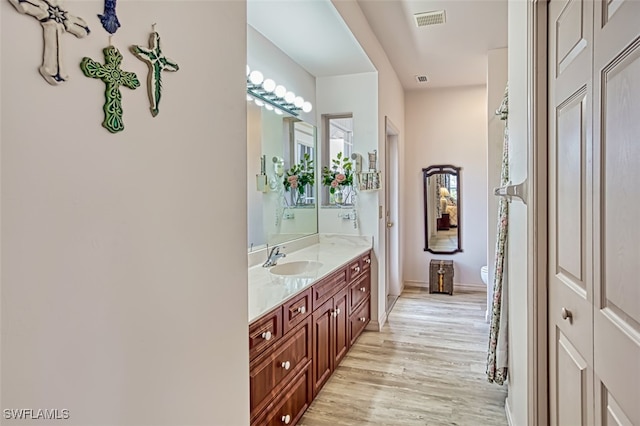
<point x="268" y="93"/>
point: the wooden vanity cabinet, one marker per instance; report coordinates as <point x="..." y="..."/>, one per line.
<point x="296" y="347"/>
<point x="330" y="338"/>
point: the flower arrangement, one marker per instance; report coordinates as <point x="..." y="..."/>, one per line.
<point x="339" y="175"/>
<point x="299" y="176"/>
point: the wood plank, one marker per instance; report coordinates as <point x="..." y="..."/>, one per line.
<point x="426" y="367"/>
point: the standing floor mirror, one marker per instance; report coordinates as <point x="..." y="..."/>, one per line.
<point x="442" y="214"/>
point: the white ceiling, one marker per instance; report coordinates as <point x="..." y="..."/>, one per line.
<point x="449" y="54"/>
<point x="314" y="35"/>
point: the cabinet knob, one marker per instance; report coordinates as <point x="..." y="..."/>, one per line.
<point x="368" y="260"/>
<point x="286" y="365"/>
<point x="302" y="309"/>
<point x="286" y="419"/>
<point x="567" y="315"/>
<point x="337" y="311"/>
<point x="266" y="335"/>
<point x="357" y="269"/>
<point x="363" y="319"/>
<point x="363" y="289"/>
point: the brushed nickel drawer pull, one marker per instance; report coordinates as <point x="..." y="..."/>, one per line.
<point x="286" y="419"/>
<point x="286" y="365"/>
<point x="567" y="315"/>
<point x="266" y="335"/>
<point x="301" y="309"/>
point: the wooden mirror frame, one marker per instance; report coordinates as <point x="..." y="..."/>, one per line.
<point x="426" y="173"/>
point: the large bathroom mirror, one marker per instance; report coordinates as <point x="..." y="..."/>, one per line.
<point x="442" y="198"/>
<point x="281" y="207"/>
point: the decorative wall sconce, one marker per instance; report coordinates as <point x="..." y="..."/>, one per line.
<point x="266" y="93"/>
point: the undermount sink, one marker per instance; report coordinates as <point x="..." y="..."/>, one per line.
<point x="296" y="268"/>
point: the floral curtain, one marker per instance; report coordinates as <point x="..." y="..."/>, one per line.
<point x="497" y="357"/>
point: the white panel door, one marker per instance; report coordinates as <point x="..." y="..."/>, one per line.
<point x="570" y="237"/>
<point x="617" y="212"/>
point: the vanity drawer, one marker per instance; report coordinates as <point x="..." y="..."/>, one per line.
<point x="288" y="409"/>
<point x="326" y="288"/>
<point x="355" y="270"/>
<point x="365" y="262"/>
<point x="296" y="310"/>
<point x="359" y="291"/>
<point x="271" y="371"/>
<point x="359" y="320"/>
<point x="265" y="332"/>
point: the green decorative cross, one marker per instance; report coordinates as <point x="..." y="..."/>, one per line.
<point x="157" y="63"/>
<point x="113" y="77"/>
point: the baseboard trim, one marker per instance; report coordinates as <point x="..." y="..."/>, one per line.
<point x="507" y="411"/>
<point x="374" y="325"/>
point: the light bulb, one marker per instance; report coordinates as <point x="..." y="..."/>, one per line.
<point x="269" y="85"/>
<point x="256" y="77"/>
<point x="289" y="97"/>
<point x="259" y="102"/>
<point x="278" y="112"/>
<point x="268" y="107"/>
<point x="280" y="91"/>
<point x="248" y="70"/>
<point x="307" y="107"/>
<point x="298" y="102"/>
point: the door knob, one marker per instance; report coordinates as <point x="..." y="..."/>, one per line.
<point x="567" y="315"/>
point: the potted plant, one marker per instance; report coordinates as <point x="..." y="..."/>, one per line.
<point x="339" y="178"/>
<point x="298" y="179"/>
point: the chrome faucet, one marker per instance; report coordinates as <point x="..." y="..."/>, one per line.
<point x="274" y="255"/>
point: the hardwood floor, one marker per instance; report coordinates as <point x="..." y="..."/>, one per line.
<point x="426" y="367"/>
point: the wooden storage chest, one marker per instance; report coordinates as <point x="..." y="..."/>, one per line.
<point x="441" y="276"/>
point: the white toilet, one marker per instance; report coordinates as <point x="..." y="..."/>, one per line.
<point x="484" y="272"/>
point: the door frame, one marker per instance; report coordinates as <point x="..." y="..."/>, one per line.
<point x="537" y="221"/>
<point x="391" y="203"/>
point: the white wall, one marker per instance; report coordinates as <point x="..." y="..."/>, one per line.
<point x="390" y="96"/>
<point x="447" y="126"/>
<point x="496" y="82"/>
<point x="124" y="286"/>
<point x="517" y="244"/>
<point x="355" y="94"/>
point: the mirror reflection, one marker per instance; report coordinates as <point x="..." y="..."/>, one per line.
<point x="282" y="189"/>
<point x="442" y="209"/>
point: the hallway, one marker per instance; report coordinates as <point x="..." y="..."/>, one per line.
<point x="426" y="367"/>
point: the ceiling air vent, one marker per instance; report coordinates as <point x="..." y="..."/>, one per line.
<point x="429" y="18"/>
<point x="421" y="78"/>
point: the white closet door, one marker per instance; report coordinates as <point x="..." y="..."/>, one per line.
<point x="617" y="211"/>
<point x="570" y="196"/>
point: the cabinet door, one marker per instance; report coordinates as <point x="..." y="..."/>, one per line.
<point x="341" y="327"/>
<point x="322" y="345"/>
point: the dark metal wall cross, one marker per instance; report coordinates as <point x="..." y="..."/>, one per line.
<point x="113" y="77"/>
<point x="55" y="21"/>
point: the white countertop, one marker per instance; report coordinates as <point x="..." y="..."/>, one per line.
<point x="333" y="251"/>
